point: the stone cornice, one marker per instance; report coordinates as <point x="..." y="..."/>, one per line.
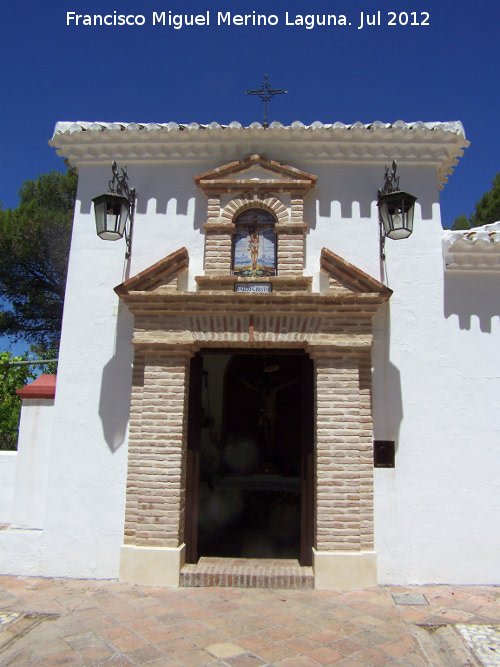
<point x="217" y="226"/>
<point x="291" y="227"/>
<point x="213" y="303"/>
<point x="221" y="282"/>
<point x="332" y="344"/>
<point x="248" y="320"/>
<point x="438" y="144"/>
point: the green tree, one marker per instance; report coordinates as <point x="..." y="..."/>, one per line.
<point x="486" y="210"/>
<point x="34" y="248"/>
<point x="462" y="222"/>
<point x="11" y="378"/>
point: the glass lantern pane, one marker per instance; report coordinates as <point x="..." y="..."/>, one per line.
<point x="384" y="214"/>
<point x="124" y="209"/>
<point x="100" y="216"/>
<point x="409" y="216"/>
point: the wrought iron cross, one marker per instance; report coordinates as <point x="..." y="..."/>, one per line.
<point x="266" y="94"/>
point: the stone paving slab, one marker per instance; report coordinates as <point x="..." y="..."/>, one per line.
<point x="409" y="598"/>
<point x="51" y="622"/>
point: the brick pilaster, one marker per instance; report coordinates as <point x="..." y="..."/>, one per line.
<point x="344" y="505"/>
<point x="134" y="447"/>
<point x="218" y="248"/>
<point x="218" y="239"/>
<point x="366" y="450"/>
<point x="291" y="240"/>
<point x="213" y="208"/>
<point x="157" y="451"/>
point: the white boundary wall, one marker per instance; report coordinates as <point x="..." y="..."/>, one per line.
<point x="33" y="456"/>
<point x="7" y="481"/>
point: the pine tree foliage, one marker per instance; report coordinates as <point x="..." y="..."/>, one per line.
<point x="462" y="222"/>
<point x="11" y="378"/>
<point x="486" y="211"/>
<point x="34" y="248"/>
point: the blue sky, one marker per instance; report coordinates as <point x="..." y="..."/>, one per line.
<point x="447" y="70"/>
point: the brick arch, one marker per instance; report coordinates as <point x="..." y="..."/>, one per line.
<point x="240" y="204"/>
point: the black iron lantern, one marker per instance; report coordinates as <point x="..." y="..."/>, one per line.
<point x="396" y="209"/>
<point x="113" y="209"/>
<point x="111" y="215"/>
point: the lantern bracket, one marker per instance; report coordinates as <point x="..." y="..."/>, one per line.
<point x="119" y="185"/>
<point x="391" y="184"/>
<point x="391" y="181"/>
<point x="381" y="240"/>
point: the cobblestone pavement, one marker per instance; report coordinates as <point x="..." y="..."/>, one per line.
<point x="484" y="641"/>
<point x="52" y="622"/>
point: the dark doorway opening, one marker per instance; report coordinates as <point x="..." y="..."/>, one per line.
<point x="250" y="443"/>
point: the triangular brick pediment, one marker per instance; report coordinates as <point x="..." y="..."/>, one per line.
<point x="160" y="277"/>
<point x="255" y="172"/>
<point x="344" y="277"/>
<point x="172" y="318"/>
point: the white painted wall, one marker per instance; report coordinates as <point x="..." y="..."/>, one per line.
<point x="434" y="392"/>
<point x="33" y="453"/>
<point x="7" y="478"/>
<point x="436" y="513"/>
<point x="87" y="479"/>
<point x="436" y="383"/>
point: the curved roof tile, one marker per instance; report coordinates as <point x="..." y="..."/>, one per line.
<point x="82" y="126"/>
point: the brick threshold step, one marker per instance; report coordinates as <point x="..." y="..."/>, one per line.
<point x="247" y="573"/>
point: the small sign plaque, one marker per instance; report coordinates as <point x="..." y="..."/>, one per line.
<point x="256" y="288"/>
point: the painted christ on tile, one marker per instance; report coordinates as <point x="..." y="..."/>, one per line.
<point x="254" y="250"/>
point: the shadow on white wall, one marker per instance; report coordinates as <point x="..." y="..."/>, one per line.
<point x="387" y="399"/>
<point x="472" y="293"/>
<point x="114" y="400"/>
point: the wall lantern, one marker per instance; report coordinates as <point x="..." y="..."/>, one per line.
<point x="396" y="209"/>
<point x="116" y="207"/>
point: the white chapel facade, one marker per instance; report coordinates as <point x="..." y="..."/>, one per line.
<point x="221" y="392"/>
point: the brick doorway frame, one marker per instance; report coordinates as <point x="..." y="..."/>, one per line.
<point x="307" y="485"/>
<point x="333" y="327"/>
